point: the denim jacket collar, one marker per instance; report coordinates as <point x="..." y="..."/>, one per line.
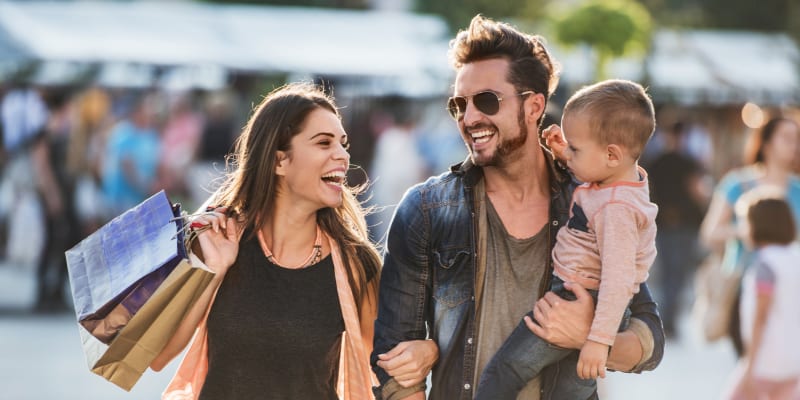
<point x="471" y="173"/>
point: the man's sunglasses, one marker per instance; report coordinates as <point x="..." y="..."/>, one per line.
<point x="486" y="102"/>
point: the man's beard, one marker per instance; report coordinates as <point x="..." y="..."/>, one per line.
<point x="507" y="149"/>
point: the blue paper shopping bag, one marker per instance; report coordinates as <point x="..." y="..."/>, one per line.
<point x="131" y="285"/>
<point x="123" y="262"/>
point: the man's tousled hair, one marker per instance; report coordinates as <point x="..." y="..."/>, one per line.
<point x="530" y="65"/>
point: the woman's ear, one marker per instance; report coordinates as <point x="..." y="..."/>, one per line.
<point x="281" y="159"/>
<point x="614" y="155"/>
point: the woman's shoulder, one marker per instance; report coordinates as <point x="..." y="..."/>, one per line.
<point x="741" y="174"/>
<point x="737" y="181"/>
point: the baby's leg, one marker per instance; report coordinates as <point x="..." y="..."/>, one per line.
<point x="520" y="359"/>
<point x="561" y="381"/>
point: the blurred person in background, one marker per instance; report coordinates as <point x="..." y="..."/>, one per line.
<point x="770" y="366"/>
<point x="90" y="128"/>
<point x="130" y="160"/>
<point x="180" y="143"/>
<point x="680" y="188"/>
<point x="55" y="186"/>
<point x="396" y="166"/>
<point x="216" y="141"/>
<point x="23" y="113"/>
<point x="277" y="321"/>
<point x="769" y="156"/>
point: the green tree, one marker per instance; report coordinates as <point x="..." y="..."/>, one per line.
<point x="611" y="28"/>
<point x="762" y="15"/>
<point x="351" y="4"/>
<point x="458" y="13"/>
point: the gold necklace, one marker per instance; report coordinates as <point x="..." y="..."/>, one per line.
<point x="313" y="258"/>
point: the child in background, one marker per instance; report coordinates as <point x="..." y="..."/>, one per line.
<point x="607" y="246"/>
<point x="770" y="323"/>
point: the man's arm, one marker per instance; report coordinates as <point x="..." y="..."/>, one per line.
<point x="404" y="291"/>
<point x="646" y="325"/>
<point x="566" y="324"/>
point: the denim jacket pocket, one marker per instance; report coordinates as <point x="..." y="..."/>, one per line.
<point x="452" y="276"/>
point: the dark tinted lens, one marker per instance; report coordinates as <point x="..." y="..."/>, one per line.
<point x="487" y="103"/>
<point x="456" y="106"/>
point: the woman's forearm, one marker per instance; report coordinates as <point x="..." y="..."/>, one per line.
<point x="717" y="226"/>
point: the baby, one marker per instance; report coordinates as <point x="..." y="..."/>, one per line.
<point x="607" y="246"/>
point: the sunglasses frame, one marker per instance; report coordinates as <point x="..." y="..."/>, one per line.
<point x="460" y="114"/>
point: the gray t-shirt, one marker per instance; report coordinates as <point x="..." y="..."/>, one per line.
<point x="514" y="271"/>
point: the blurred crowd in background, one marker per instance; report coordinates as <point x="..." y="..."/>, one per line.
<point x="77" y="152"/>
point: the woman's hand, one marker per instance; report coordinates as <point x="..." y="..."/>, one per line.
<point x="410" y="362"/>
<point x="219" y="243"/>
<point x="562" y="322"/>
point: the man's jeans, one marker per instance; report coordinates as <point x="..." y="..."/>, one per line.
<point x="523" y="356"/>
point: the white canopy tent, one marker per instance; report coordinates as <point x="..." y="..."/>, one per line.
<point x="398" y="49"/>
<point x="376" y="52"/>
<point x="692" y="67"/>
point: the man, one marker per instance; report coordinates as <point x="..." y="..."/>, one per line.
<point x="682" y="192"/>
<point x="468" y="252"/>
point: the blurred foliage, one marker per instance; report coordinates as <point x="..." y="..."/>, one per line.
<point x="761" y="15"/>
<point x="351" y="4"/>
<point x="458" y="13"/>
<point x="611" y="28"/>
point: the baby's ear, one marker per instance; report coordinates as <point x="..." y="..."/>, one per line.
<point x="614" y="154"/>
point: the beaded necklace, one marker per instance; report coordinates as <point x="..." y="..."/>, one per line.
<point x="313" y="258"/>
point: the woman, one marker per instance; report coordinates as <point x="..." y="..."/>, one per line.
<point x="769" y="156"/>
<point x="296" y="277"/>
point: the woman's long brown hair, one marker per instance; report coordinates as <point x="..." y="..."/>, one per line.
<point x="251" y="185"/>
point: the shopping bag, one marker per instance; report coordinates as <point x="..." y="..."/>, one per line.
<point x="715" y="297"/>
<point x="131" y="285"/>
<point x="127" y="357"/>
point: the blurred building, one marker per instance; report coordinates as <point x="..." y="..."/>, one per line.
<point x="375" y="51"/>
<point x="701" y="77"/>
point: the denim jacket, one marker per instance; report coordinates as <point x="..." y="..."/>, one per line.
<point x="432" y="264"/>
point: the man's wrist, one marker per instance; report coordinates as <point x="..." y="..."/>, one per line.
<point x="392" y="390"/>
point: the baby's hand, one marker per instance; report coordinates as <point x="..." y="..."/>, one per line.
<point x="555" y="140"/>
<point x="592" y="362"/>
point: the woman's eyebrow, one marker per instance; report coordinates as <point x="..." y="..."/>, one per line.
<point x="322" y="134"/>
<point x="328" y="134"/>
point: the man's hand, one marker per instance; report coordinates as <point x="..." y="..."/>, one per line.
<point x="410" y="362"/>
<point x="592" y="361"/>
<point x="555" y="140"/>
<point x="562" y="322"/>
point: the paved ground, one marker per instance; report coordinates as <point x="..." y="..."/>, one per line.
<point x="41" y="358"/>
